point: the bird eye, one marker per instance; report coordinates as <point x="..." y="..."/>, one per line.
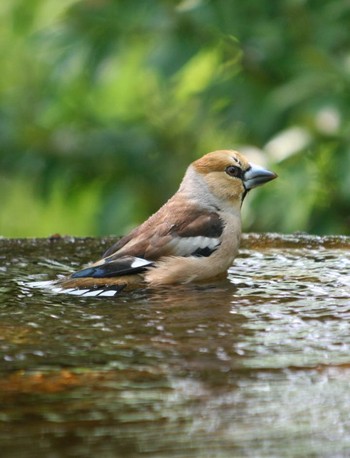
<point x="234" y="171"/>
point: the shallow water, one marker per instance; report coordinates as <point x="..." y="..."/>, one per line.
<point x="257" y="365"/>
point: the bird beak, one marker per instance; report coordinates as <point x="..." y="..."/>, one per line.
<point x="256" y="175"/>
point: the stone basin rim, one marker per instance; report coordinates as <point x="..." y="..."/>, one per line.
<point x="252" y="240"/>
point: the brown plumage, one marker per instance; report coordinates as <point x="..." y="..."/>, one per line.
<point x="193" y="237"/>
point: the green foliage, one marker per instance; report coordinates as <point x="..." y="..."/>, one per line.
<point x="103" y="103"/>
<point x="23" y="212"/>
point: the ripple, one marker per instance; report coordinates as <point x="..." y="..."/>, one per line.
<point x="254" y="365"/>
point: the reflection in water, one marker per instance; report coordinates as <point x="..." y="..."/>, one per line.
<point x="256" y="365"/>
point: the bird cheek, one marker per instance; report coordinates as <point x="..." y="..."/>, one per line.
<point x="225" y="188"/>
<point x="236" y="187"/>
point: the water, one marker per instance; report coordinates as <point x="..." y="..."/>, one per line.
<point x="254" y="366"/>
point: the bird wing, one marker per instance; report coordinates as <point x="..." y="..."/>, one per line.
<point x="106" y="268"/>
<point x="185" y="232"/>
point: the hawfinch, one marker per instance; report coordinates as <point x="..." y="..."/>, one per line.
<point x="193" y="237"/>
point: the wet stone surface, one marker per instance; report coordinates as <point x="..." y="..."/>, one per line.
<point x="255" y="365"/>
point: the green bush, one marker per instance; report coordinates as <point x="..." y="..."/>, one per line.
<point x="105" y="102"/>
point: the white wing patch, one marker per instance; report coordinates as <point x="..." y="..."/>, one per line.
<point x="185" y="246"/>
<point x="140" y="262"/>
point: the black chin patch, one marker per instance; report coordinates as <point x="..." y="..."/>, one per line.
<point x="244" y="194"/>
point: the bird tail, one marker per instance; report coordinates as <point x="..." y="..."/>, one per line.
<point x="91" y="287"/>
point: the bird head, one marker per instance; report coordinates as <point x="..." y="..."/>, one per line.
<point x="229" y="175"/>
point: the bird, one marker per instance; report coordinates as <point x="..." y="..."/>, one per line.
<point x="193" y="237"/>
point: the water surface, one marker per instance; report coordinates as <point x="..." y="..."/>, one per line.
<point x="255" y="365"/>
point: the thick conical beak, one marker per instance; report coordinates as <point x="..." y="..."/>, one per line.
<point x="255" y="176"/>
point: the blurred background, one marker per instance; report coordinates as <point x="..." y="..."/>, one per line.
<point x="104" y="103"/>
